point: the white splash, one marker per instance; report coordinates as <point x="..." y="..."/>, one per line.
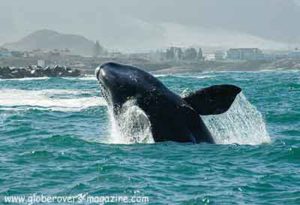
<point x="241" y="124"/>
<point x="131" y="126"/>
<point x="45" y="99"/>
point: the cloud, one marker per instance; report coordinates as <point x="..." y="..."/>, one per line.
<point x="297" y="2"/>
<point x="180" y="35"/>
<point x="144" y="24"/>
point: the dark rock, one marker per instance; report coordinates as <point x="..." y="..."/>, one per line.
<point x="57" y="71"/>
<point x="5" y="72"/>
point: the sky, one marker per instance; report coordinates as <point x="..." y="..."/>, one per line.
<point x="136" y="25"/>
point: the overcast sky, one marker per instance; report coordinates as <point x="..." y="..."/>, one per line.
<point x="150" y="24"/>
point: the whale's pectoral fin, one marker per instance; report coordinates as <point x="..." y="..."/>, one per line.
<point x="213" y="100"/>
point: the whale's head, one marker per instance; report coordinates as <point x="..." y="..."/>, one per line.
<point x="120" y="83"/>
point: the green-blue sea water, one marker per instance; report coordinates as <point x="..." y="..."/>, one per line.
<point x="54" y="140"/>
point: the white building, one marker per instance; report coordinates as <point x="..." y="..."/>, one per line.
<point x="248" y="54"/>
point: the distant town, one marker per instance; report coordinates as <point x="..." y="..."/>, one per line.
<point x="169" y="60"/>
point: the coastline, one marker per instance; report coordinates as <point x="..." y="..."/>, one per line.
<point x="215" y="66"/>
<point x="88" y="65"/>
<point x="171" y="67"/>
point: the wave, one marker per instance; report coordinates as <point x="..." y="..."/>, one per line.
<point x="202" y="76"/>
<point x="47" y="99"/>
<point x="255" y="71"/>
<point x="187" y="75"/>
<point x="26" y="79"/>
<point x="161" y="75"/>
<point x="84" y="78"/>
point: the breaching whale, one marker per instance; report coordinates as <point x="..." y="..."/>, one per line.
<point x="172" y="117"/>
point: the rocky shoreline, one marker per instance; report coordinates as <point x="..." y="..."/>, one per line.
<point x="31" y="72"/>
<point x="150" y="66"/>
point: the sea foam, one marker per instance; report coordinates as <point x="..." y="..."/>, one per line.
<point x="47" y="99"/>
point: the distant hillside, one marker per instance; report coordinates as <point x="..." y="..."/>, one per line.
<point x="49" y="40"/>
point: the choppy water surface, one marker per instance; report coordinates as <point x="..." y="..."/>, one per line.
<point x="57" y="139"/>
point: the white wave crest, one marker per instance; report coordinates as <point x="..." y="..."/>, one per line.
<point x="84" y="78"/>
<point x="204" y="76"/>
<point x="25" y="79"/>
<point x="187" y="75"/>
<point x="45" y="99"/>
<point x="161" y="75"/>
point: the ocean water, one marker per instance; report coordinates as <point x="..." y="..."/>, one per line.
<point x="57" y="138"/>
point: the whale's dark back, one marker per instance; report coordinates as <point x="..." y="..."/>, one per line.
<point x="172" y="118"/>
